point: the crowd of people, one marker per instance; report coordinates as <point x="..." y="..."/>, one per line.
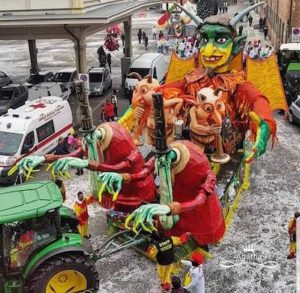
<point x="256" y="50"/>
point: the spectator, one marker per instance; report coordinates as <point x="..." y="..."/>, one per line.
<point x="159" y="46"/>
<point x="250" y="19"/>
<point x="196" y="273"/>
<point x="146" y="42"/>
<point x="181" y="49"/>
<point x="114" y="100"/>
<point x="143" y="35"/>
<point x="176" y="285"/>
<point x="123" y="39"/>
<point x="260" y="22"/>
<point x="109" y="112"/>
<point x="101" y="56"/>
<point x="71" y="142"/>
<point x="241" y="30"/>
<point x="102" y="115"/>
<point x="108" y="58"/>
<point x="62" y="188"/>
<point x="266" y="32"/>
<point x="160" y="35"/>
<point x="61" y="148"/>
<point x="154" y="33"/>
<point x="139" y="34"/>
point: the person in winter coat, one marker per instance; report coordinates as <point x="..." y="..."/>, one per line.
<point x="196" y="273"/>
<point x="146" y="40"/>
<point x="109" y="111"/>
<point x="139" y="34"/>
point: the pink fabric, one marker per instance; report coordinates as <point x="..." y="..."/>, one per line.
<point x="71" y="140"/>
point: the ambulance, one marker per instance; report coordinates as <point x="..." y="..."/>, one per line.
<point x="32" y="129"/>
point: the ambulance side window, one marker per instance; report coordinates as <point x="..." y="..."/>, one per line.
<point x="28" y="142"/>
<point x="45" y="130"/>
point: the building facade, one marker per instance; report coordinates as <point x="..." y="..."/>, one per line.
<point x="281" y="17"/>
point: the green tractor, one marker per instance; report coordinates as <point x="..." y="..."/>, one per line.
<point x="40" y="249"/>
<point x="289" y="65"/>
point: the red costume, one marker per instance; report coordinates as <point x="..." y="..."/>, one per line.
<point x="194" y="189"/>
<point x="109" y="111"/>
<point x="118" y="153"/>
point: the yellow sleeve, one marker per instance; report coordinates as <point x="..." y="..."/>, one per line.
<point x="76" y="209"/>
<point x="152" y="251"/>
<point x="176" y="240"/>
<point x="90" y="199"/>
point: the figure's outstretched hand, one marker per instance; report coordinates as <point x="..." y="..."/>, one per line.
<point x="143" y="217"/>
<point x="112" y="182"/>
<point x="63" y="165"/>
<point x="262" y="137"/>
<point x="27" y="165"/>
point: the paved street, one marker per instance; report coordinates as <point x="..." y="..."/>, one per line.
<point x="260" y="223"/>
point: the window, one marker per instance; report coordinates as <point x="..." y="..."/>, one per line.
<point x="2" y="74"/>
<point x="22" y="90"/>
<point x="45" y="131"/>
<point x="9" y="143"/>
<point x="28" y="142"/>
<point x="154" y="73"/>
<point x="62" y="77"/>
<point x="22" y="238"/>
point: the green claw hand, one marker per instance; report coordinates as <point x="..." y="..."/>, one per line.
<point x="143" y="217"/>
<point x="111" y="182"/>
<point x="27" y="165"/>
<point x="262" y="137"/>
<point x="62" y="166"/>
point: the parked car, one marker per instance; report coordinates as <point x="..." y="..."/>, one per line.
<point x="47" y="89"/>
<point x="294" y="111"/>
<point x="4" y="79"/>
<point x="99" y="80"/>
<point x="67" y="77"/>
<point x="12" y="96"/>
<point x="42" y="76"/>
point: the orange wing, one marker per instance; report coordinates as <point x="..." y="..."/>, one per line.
<point x="268" y="81"/>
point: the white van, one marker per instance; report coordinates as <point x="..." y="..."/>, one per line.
<point x="32" y="129"/>
<point x="142" y="65"/>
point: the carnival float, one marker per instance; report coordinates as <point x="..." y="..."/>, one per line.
<point x="224" y="117"/>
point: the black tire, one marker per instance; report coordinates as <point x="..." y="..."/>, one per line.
<point x="291" y="117"/>
<point x="38" y="281"/>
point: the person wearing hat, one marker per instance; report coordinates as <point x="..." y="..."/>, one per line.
<point x="292" y="233"/>
<point x="196" y="273"/>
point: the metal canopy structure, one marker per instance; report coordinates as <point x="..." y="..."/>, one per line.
<point x="75" y="27"/>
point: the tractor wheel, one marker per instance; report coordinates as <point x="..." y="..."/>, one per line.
<point x="64" y="273"/>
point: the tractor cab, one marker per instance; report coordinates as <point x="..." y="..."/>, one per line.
<point x="289" y="65"/>
<point x="40" y="247"/>
<point x="29" y="221"/>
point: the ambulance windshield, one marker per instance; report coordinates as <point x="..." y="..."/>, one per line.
<point x="9" y="143"/>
